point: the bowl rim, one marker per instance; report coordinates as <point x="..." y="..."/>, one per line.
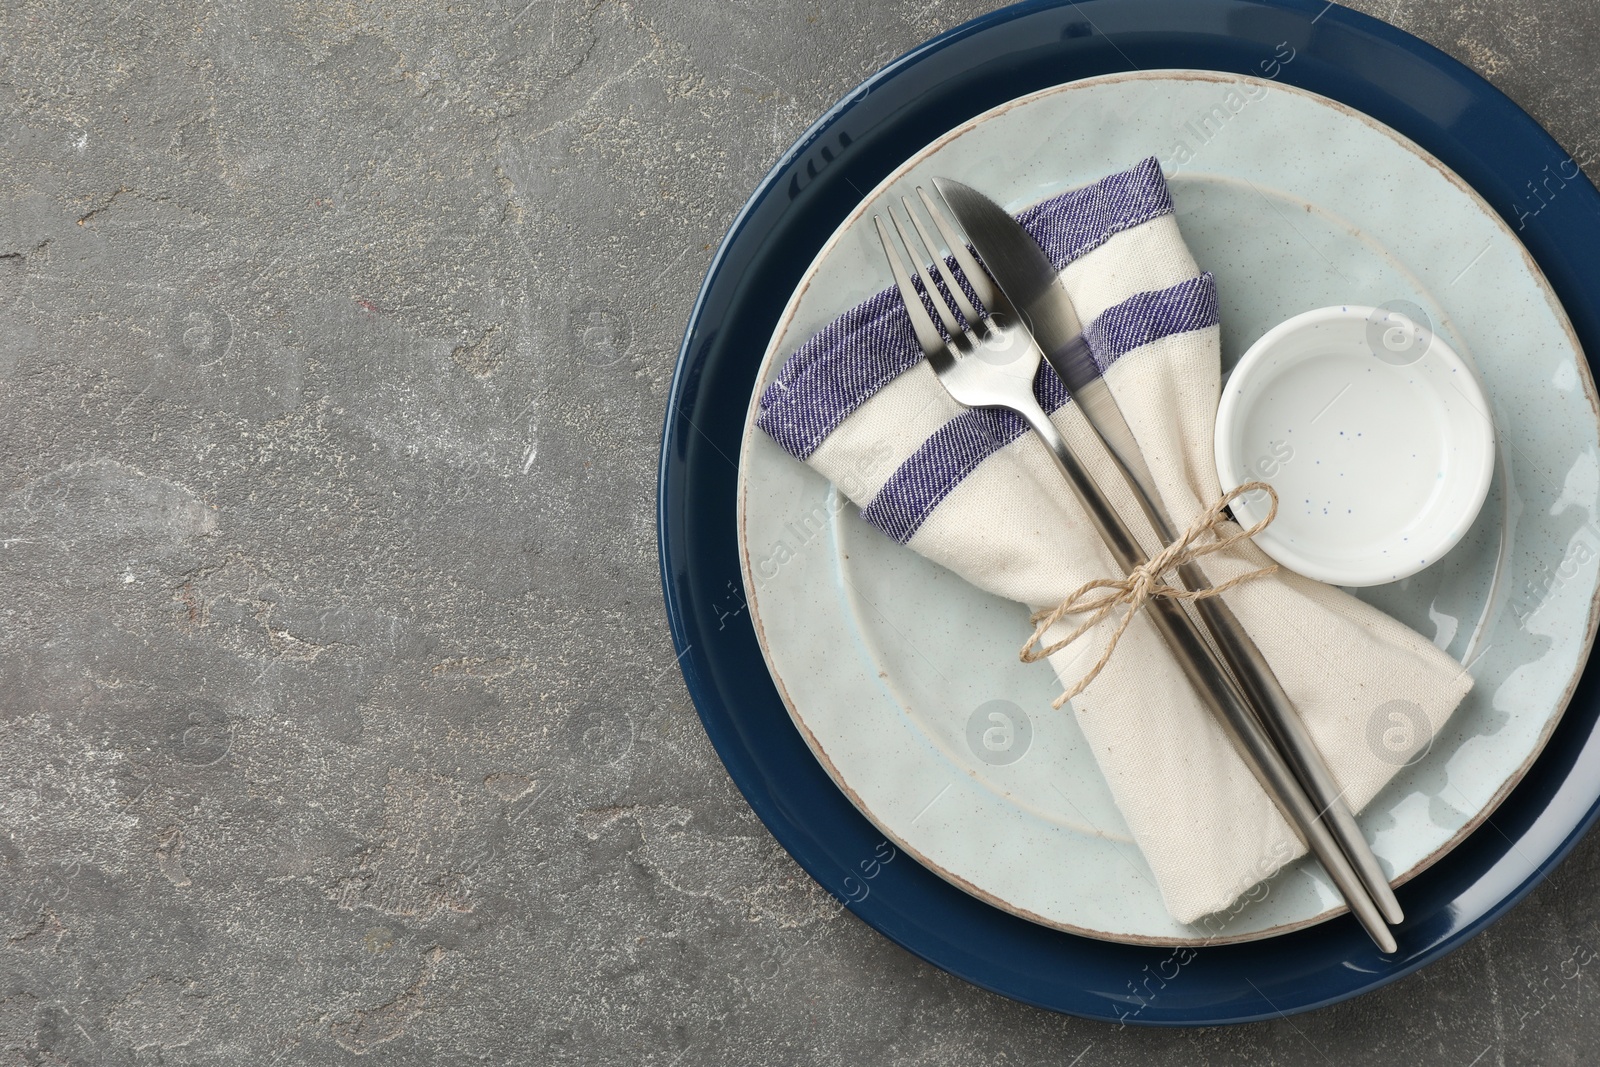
<point x="1444" y="536"/>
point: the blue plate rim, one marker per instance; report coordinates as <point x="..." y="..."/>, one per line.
<point x="1548" y="243"/>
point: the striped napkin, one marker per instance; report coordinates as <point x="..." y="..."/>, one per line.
<point x="975" y="492"/>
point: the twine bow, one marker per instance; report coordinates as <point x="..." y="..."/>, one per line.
<point x="1145" y="583"/>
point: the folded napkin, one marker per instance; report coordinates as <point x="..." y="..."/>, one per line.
<point x="975" y="492"/>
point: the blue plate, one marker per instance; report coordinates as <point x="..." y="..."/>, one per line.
<point x="1349" y="57"/>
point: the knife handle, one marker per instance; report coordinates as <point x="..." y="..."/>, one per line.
<point x="1263" y="691"/>
<point x="1283" y="723"/>
<point x="1219" y="690"/>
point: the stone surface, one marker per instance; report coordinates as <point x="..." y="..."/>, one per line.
<point x="338" y="713"/>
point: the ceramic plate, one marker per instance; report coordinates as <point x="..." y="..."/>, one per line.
<point x="1452" y="114"/>
<point x="905" y="680"/>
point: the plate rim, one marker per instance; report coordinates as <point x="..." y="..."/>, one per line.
<point x="1550" y="825"/>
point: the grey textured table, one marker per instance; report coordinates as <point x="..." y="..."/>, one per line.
<point x="337" y="709"/>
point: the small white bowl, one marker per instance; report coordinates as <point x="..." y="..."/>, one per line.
<point x="1374" y="434"/>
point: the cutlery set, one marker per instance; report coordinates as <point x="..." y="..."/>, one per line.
<point x="988" y="358"/>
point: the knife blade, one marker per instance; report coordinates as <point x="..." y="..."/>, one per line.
<point x="1030" y="284"/>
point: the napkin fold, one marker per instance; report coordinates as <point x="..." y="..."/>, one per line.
<point x="977" y="493"/>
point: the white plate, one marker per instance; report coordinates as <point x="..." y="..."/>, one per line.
<point x="894" y="669"/>
<point x="1374" y="434"/>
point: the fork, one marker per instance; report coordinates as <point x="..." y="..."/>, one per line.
<point x="1052" y="317"/>
<point x="991" y="361"/>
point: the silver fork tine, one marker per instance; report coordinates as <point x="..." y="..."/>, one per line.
<point x="951" y="327"/>
<point x="964" y="305"/>
<point x="987" y="294"/>
<point x="927" y="333"/>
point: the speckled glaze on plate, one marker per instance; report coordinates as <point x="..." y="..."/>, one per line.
<point x="1294" y="202"/>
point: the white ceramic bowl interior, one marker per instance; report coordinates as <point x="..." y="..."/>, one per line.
<point x="1372" y="431"/>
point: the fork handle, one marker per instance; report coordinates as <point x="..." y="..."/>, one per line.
<point x="1211" y="679"/>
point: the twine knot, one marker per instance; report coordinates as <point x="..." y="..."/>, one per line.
<point x="1145" y="583"/>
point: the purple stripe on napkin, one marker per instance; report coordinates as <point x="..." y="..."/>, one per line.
<point x="1076" y="223"/>
<point x="844" y="364"/>
<point x="927" y="476"/>
<point x="953" y="452"/>
<point x="1146" y="317"/>
<point x="956" y="448"/>
<point x="849" y="360"/>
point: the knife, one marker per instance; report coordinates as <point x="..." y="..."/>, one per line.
<point x="1030" y="283"/>
<point x="992" y="364"/>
